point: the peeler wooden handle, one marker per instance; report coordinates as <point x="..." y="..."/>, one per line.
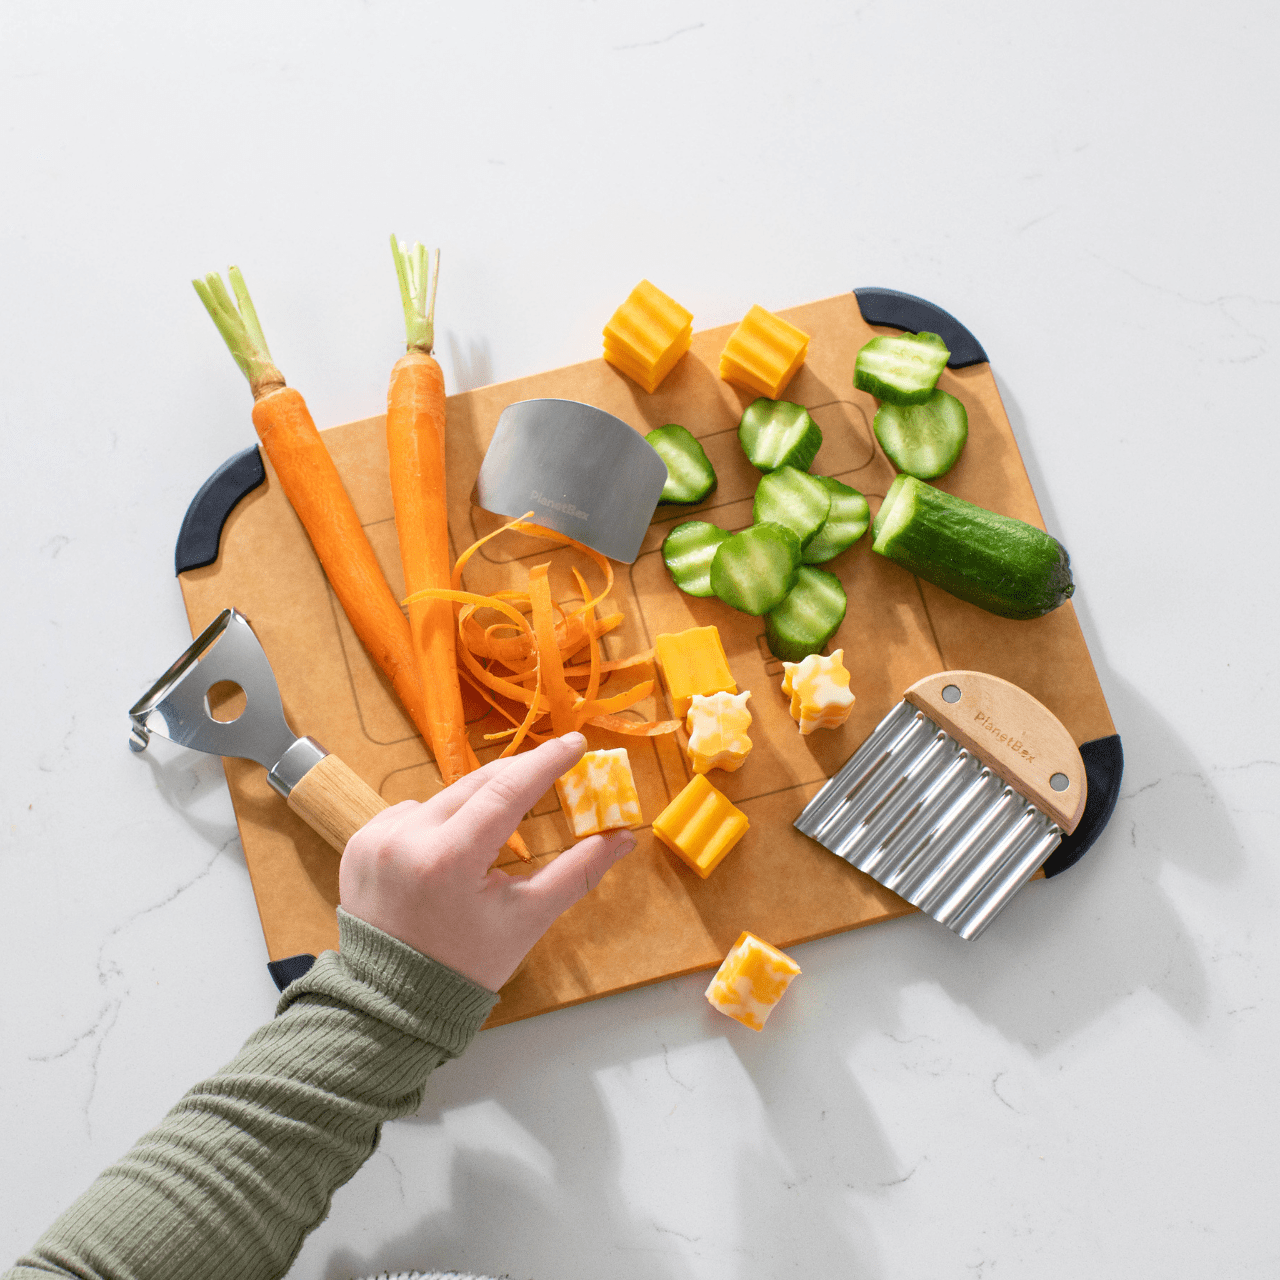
<point x="334" y="800"/>
<point x="1007" y="729"/>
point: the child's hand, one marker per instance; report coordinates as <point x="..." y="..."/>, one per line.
<point x="421" y="872"/>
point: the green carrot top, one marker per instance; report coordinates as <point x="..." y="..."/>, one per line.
<point x="238" y="323"/>
<point x="418" y="277"/>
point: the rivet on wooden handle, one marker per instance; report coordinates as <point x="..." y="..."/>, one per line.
<point x="335" y="801"/>
<point x="1009" y="731"/>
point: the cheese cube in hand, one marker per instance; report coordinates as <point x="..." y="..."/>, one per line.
<point x="819" y="689"/>
<point x="599" y="793"/>
<point x="751" y="981"/>
<point x="717" y="725"/>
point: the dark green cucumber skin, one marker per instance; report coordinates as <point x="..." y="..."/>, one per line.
<point x="680" y="442"/>
<point x="757" y="415"/>
<point x="773" y="507"/>
<point x="825" y="545"/>
<point x="673" y="540"/>
<point x="721" y="578"/>
<point x="785" y="629"/>
<point x="1003" y="565"/>
<point x="925" y="439"/>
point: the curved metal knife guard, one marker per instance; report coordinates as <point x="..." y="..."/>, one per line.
<point x="318" y="787"/>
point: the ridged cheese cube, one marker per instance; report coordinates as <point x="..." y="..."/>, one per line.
<point x="599" y="793"/>
<point x="700" y="826"/>
<point x="763" y="353"/>
<point x="751" y="981"/>
<point x="717" y="724"/>
<point x="819" y="689"/>
<point x="647" y="335"/>
<point x="692" y="662"/>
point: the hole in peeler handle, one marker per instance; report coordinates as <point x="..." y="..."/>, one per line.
<point x="951" y="693"/>
<point x="225" y="701"/>
<point x="1059" y="782"/>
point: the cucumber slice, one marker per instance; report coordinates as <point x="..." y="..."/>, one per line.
<point x="752" y="571"/>
<point x="924" y="440"/>
<point x="808" y="617"/>
<point x="777" y="433"/>
<point x="1003" y="565"/>
<point x="845" y="523"/>
<point x="690" y="475"/>
<point x="794" y="498"/>
<point x="901" y="369"/>
<point x="688" y="550"/>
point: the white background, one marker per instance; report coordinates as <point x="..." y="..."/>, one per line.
<point x="1091" y="188"/>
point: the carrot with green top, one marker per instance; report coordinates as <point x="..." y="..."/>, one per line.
<point x="416" y="448"/>
<point x="315" y="491"/>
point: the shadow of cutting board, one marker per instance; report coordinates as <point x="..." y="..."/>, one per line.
<point x="651" y="918"/>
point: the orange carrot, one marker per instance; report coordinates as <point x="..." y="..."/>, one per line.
<point x="415" y="446"/>
<point x="315" y="491"/>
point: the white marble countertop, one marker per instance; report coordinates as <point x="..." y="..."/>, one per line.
<point x="1089" y="1089"/>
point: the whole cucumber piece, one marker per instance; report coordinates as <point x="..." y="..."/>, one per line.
<point x="1003" y="565"/>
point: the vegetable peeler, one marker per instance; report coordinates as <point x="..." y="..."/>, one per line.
<point x="585" y="473"/>
<point x="318" y="787"/>
<point x="957" y="797"/>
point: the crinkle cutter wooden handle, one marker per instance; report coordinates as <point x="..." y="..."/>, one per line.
<point x="318" y="787"/>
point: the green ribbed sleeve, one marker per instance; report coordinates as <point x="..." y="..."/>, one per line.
<point x="233" y="1178"/>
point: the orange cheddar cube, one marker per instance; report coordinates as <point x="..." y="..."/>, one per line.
<point x="700" y="826"/>
<point x="692" y="662"/>
<point x="599" y="793"/>
<point x="717" y="725"/>
<point x="647" y="335"/>
<point x="763" y="353"/>
<point x="819" y="689"/>
<point x="751" y="981"/>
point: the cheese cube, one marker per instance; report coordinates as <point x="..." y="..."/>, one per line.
<point x="717" y="725"/>
<point x="647" y="335"/>
<point x="692" y="662"/>
<point x="751" y="981"/>
<point x="819" y="689"/>
<point x="763" y="353"/>
<point x="700" y="826"/>
<point x="599" y="793"/>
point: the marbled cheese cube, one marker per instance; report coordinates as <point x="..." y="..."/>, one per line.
<point x="717" y="724"/>
<point x="819" y="689"/>
<point x="693" y="661"/>
<point x="599" y="793"/>
<point x="751" y="981"/>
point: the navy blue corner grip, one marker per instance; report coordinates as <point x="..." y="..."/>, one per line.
<point x="898" y="310"/>
<point x="289" y="969"/>
<point x="202" y="525"/>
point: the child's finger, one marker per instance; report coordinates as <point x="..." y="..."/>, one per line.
<point x="575" y="872"/>
<point x="447" y="801"/>
<point x="489" y="816"/>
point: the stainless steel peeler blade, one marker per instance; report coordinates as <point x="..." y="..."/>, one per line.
<point x="317" y="785"/>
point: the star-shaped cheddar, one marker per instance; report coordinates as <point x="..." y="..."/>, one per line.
<point x="819" y="689"/>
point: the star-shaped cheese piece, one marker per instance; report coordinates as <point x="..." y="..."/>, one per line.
<point x="717" y="725"/>
<point x="751" y="981"/>
<point x="819" y="689"/>
<point x="599" y="793"/>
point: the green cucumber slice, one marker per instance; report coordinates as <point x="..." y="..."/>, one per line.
<point x="688" y="550"/>
<point x="808" y="617"/>
<point x="777" y="433"/>
<point x="752" y="571"/>
<point x="845" y="523"/>
<point x="793" y="498"/>
<point x="690" y="475"/>
<point x="1000" y="564"/>
<point x="925" y="439"/>
<point x="901" y="368"/>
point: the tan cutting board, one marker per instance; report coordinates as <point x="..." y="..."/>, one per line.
<point x="651" y="918"/>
